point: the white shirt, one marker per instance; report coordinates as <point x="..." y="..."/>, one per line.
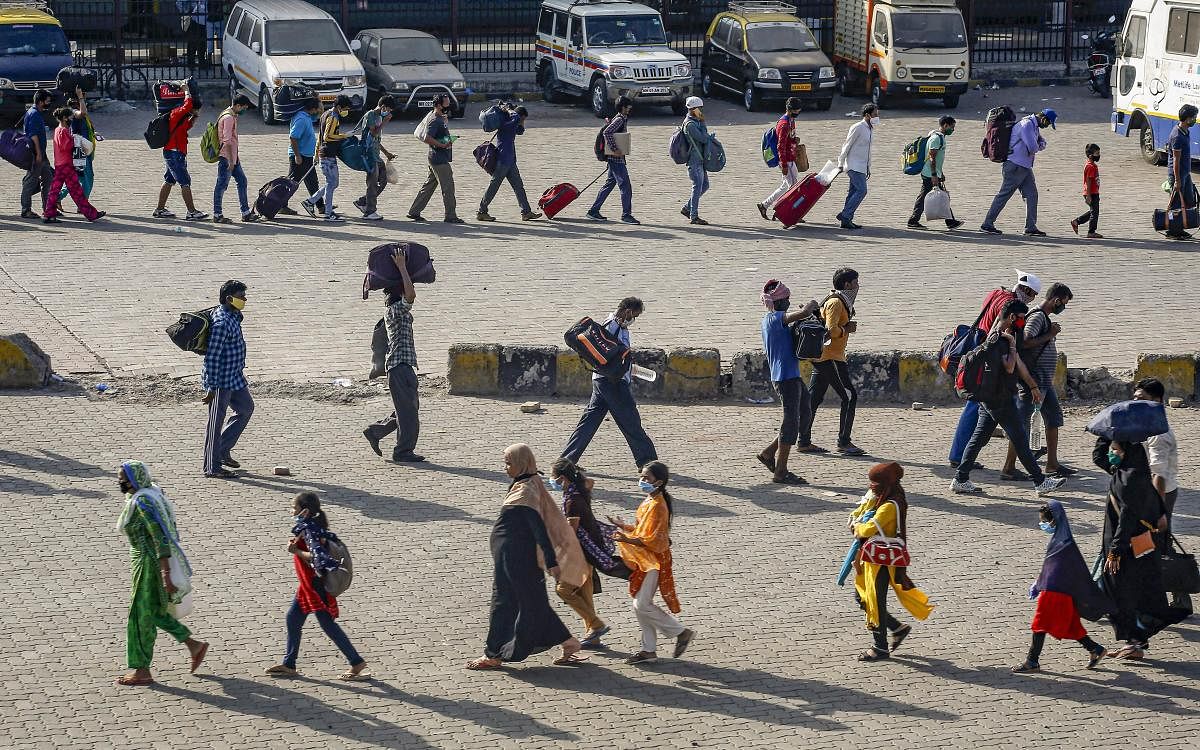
<point x="856" y="152"/>
<point x="1163" y="452"/>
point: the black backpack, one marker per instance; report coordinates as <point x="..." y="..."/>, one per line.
<point x="190" y="332"/>
<point x="979" y="377"/>
<point x="808" y="336"/>
<point x="598" y="146"/>
<point x="600" y="350"/>
<point x="159" y="131"/>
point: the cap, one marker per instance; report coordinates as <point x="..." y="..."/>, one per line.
<point x="1051" y="115"/>
<point x="693" y="102"/>
<point x="1029" y="280"/>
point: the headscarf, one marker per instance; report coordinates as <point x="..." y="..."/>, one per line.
<point x="1131" y="484"/>
<point x="769" y="298"/>
<point x="154" y="503"/>
<point x="1064" y="571"/>
<point x="887" y="478"/>
<point x="529" y="490"/>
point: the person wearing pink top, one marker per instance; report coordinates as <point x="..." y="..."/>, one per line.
<point x="64" y="171"/>
<point x="228" y="163"/>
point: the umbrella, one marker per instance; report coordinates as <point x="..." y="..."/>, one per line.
<point x="1130" y="421"/>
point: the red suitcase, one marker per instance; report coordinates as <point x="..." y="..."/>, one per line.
<point x="557" y="198"/>
<point x="796" y="202"/>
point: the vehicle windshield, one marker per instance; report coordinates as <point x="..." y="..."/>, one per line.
<point x="305" y="38"/>
<point x="781" y="37"/>
<point x="419" y="50"/>
<point x="915" y="30"/>
<point x="625" y="30"/>
<point x="33" y="39"/>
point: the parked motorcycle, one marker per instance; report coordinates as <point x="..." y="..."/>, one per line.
<point x="1100" y="61"/>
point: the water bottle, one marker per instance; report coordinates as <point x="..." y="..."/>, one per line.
<point x="1035" y="430"/>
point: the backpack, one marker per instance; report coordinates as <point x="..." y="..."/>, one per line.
<point x="210" y="143"/>
<point x="337" y="581"/>
<point x="979" y="377"/>
<point x="190" y="332"/>
<point x="808" y="337"/>
<point x="491" y="118"/>
<point x="598" y="146"/>
<point x="158" y="132"/>
<point x="600" y="350"/>
<point x="714" y="155"/>
<point x="678" y="147"/>
<point x="770" y="147"/>
<point x="912" y="161"/>
<point x="997" y="133"/>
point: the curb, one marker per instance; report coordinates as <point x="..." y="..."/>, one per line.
<point x="1012" y="83"/>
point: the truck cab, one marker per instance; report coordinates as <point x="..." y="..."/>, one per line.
<point x="894" y="48"/>
<point x="605" y="49"/>
<point x="33" y="48"/>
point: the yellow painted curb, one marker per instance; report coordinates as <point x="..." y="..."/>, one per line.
<point x="474" y="369"/>
<point x="1176" y="371"/>
<point x="692" y="374"/>
<point x="573" y="379"/>
<point x="920" y="378"/>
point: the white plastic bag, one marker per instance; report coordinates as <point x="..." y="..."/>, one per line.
<point x="180" y="604"/>
<point x="937" y="205"/>
<point x="423" y="127"/>
<point x="392" y="172"/>
<point x="827" y="173"/>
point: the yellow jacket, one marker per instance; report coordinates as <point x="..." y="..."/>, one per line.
<point x="914" y="600"/>
<point x="836" y="317"/>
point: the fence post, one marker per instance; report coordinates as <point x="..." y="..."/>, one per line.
<point x="119" y="22"/>
<point x="454" y="27"/>
<point x="345" y="16"/>
<point x="1068" y="37"/>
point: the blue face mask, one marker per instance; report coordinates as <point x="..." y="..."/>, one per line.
<point x="645" y="486"/>
<point x="1114" y="460"/>
<point x="298" y="519"/>
<point x="554" y="485"/>
<point x="1046" y="526"/>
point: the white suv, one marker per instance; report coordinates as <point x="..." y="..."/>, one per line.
<point x="273" y="43"/>
<point x="606" y="49"/>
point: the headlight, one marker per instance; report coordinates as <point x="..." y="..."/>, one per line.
<point x="960" y="72"/>
<point x="683" y="70"/>
<point x="458" y="85"/>
<point x="902" y="72"/>
<point x="769" y="74"/>
<point x="827" y="72"/>
<point x="6" y="84"/>
<point x="401" y="86"/>
<point x="355" y="81"/>
<point x="280" y="81"/>
<point x="620" y="71"/>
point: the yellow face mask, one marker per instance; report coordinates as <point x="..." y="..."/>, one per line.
<point x="237" y="304"/>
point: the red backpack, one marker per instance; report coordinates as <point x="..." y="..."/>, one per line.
<point x="997" y="133"/>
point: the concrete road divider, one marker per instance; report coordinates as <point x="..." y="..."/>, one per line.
<point x="528" y="370"/>
<point x="1176" y="371"/>
<point x="23" y="364"/>
<point x="474" y="369"/>
<point x="692" y="374"/>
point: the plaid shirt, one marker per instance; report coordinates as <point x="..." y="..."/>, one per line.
<point x="226" y="355"/>
<point x="402" y="348"/>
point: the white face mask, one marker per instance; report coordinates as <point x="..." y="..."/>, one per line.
<point x="874" y="122"/>
<point x="1025" y="297"/>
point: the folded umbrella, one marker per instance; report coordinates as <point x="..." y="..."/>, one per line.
<point x="1130" y="421"/>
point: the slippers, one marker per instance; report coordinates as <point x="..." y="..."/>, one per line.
<point x="282" y="670"/>
<point x="352" y="676"/>
<point x="135" y="681"/>
<point x="198" y="657"/>
<point x="873" y="654"/>
<point x="811" y="449"/>
<point x="1016" y="475"/>
<point x="570" y="659"/>
<point x="898" y="636"/>
<point x="483" y="665"/>
<point x="593" y="639"/>
<point x="789" y="478"/>
<point x="769" y="464"/>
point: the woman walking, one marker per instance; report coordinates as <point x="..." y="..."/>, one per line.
<point x="645" y="548"/>
<point x="148" y="521"/>
<point x="881" y="520"/>
<point x="530" y="536"/>
<point x="1064" y="590"/>
<point x="698" y="139"/>
<point x="312" y="560"/>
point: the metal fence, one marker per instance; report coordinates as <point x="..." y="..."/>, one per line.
<point x="135" y="42"/>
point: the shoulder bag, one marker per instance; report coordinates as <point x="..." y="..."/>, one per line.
<point x="886" y="550"/>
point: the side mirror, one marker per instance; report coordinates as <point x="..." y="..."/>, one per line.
<point x="670" y="37"/>
<point x="1119" y="43"/>
<point x="356" y="45"/>
<point x="256" y="48"/>
<point x="74" y="47"/>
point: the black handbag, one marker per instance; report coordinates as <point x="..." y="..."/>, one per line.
<point x="1179" y="572"/>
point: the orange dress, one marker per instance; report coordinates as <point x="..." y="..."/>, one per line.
<point x="653" y="530"/>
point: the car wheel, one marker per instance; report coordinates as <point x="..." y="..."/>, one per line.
<point x="950" y="101"/>
<point x="824" y="104"/>
<point x="750" y="98"/>
<point x="549" y="83"/>
<point x="706" y="83"/>
<point x="1150" y="154"/>
<point x="598" y="97"/>
<point x="233" y="86"/>
<point x="843" y="79"/>
<point x="877" y="94"/>
<point x="266" y="107"/>
<point x="459" y="113"/>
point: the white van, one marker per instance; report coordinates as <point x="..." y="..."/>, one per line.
<point x="272" y="43"/>
<point x="1156" y="73"/>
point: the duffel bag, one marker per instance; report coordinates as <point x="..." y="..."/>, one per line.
<point x="1176" y="220"/>
<point x="1179" y="572"/>
<point x="337" y="581"/>
<point x="16" y="149"/>
<point x="190" y="332"/>
<point x="600" y="350"/>
<point x="382" y="272"/>
<point x="486" y="154"/>
<point x="71" y="77"/>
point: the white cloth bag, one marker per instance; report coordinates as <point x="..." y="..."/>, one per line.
<point x="937" y="205"/>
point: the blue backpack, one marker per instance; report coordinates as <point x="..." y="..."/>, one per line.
<point x="491" y="118"/>
<point x="678" y="147"/>
<point x="770" y="147"/>
<point x="913" y="158"/>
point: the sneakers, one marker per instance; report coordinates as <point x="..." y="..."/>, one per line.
<point x="1094" y="236"/>
<point x="99" y="215"/>
<point x="251" y="217"/>
<point x="1035" y="232"/>
<point x="309" y="208"/>
<point x="191" y="215"/>
<point x="988" y="228"/>
<point x="595" y="216"/>
<point x="288" y="211"/>
<point x="484" y="216"/>
<point x="361" y="206"/>
<point x="762" y="209"/>
<point x="416" y="217"/>
<point x="407" y="458"/>
<point x="846" y="224"/>
<point x="230" y="461"/>
<point x="219" y="219"/>
<point x="1048" y="485"/>
<point x="953" y="223"/>
<point x="29" y="213"/>
<point x="628" y="219"/>
<point x="530" y="216"/>
<point x="335" y="218"/>
<point x="373" y="216"/>
<point x="453" y="220"/>
<point x="699" y="221"/>
<point x="915" y="225"/>
<point x="963" y="488"/>
<point x="683" y="641"/>
<point x="162" y="213"/>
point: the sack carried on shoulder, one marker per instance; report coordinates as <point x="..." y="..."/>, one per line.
<point x="886" y="550"/>
<point x="382" y="272"/>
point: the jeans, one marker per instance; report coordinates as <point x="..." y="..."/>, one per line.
<point x="218" y="440"/>
<point x="1092" y="215"/>
<point x="1016" y="178"/>
<point x="440" y="175"/>
<point x="794" y="397"/>
<point x="239" y="177"/>
<point x="790" y="178"/>
<point x="618" y="176"/>
<point x="36" y="180"/>
<point x="964" y="431"/>
<point x="304" y="171"/>
<point x="699" y="178"/>
<point x="329" y="170"/>
<point x="295" y="622"/>
<point x="653" y="618"/>
<point x="376" y="182"/>
<point x="1007" y="416"/>
<point x="615" y="397"/>
<point x="858" y="191"/>
<point x="513" y="175"/>
<point x="919" y="205"/>
<point x="405" y="418"/>
<point x="833" y="374"/>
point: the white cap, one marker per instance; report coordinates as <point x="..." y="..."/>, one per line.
<point x="693" y="102"/>
<point x="1029" y="280"/>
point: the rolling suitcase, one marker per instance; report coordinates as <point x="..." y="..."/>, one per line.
<point x="797" y="202"/>
<point x="274" y="196"/>
<point x="561" y="195"/>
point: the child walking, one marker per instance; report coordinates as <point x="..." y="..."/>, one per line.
<point x="1091" y="193"/>
<point x="64" y="170"/>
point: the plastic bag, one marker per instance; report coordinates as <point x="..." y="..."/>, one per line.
<point x="937" y="205"/>
<point x="392" y="171"/>
<point x="180" y="605"/>
<point x="827" y="173"/>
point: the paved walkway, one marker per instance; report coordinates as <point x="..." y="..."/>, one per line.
<point x="773" y="665"/>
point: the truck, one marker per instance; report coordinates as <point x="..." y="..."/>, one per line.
<point x="894" y="48"/>
<point x="33" y="48"/>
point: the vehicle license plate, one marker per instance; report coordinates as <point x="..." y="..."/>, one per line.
<point x="326" y="98"/>
<point x="932" y="89"/>
<point x="655" y="90"/>
<point x="801" y="87"/>
<point x="425" y="103"/>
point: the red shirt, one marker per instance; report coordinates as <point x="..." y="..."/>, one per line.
<point x="992" y="305"/>
<point x="178" y="140"/>
<point x="785" y="134"/>
<point x="1091" y="178"/>
<point x="309" y="598"/>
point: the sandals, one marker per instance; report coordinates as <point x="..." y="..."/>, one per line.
<point x="351" y="676"/>
<point x="282" y="670"/>
<point x="134" y="681"/>
<point x="810" y="448"/>
<point x="198" y="657"/>
<point x="899" y="635"/>
<point x="770" y="464"/>
<point x="789" y="478"/>
<point x="873" y="654"/>
<point x="683" y="641"/>
<point x="1016" y="475"/>
<point x="1096" y="656"/>
<point x="1025" y="667"/>
<point x="570" y="659"/>
<point x="484" y="664"/>
<point x="592" y="639"/>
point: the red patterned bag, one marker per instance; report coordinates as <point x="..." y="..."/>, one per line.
<point x="886" y="550"/>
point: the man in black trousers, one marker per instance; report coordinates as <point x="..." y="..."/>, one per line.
<point x="401" y="368"/>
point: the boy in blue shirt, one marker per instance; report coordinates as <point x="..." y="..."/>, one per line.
<point x="302" y="150"/>
<point x="785" y="375"/>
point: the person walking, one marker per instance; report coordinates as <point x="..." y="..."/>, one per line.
<point x="64" y="171"/>
<point x="1039" y="350"/>
<point x="85" y="146"/>
<point x="1064" y="591"/>
<point x="698" y="139"/>
<point x="329" y="145"/>
<point x="401" y="366"/>
<point x="179" y="122"/>
<point x="312" y="560"/>
<point x="645" y="546"/>
<point x="441" y="171"/>
<point x="1179" y="167"/>
<point x="932" y="173"/>
<point x="529" y="539"/>
<point x="38" y="177"/>
<point x="855" y="160"/>
<point x="229" y="162"/>
<point x="615" y="397"/>
<point x="302" y="150"/>
<point x="618" y="170"/>
<point x="1091" y="193"/>
<point x="831" y="369"/>
<point x="785" y="376"/>
<point x="148" y="523"/>
<point x="998" y="407"/>
<point x="224" y="382"/>
<point x="1162" y="452"/>
<point x="506" y="164"/>
<point x="1023" y="146"/>
<point x="883" y="512"/>
<point x="789" y="147"/>
<point x="372" y="128"/>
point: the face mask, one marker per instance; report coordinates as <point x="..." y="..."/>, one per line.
<point x="849" y="295"/>
<point x="343" y="113"/>
<point x="1046" y="526"/>
<point x="237" y="304"/>
<point x="624" y="322"/>
<point x="298" y="519"/>
<point x="645" y="486"/>
<point x="386" y="113"/>
<point x="1114" y="459"/>
<point x="554" y="485"/>
<point x="1058" y="309"/>
<point x="874" y="122"/>
<point x="949" y="132"/>
<point x="1025" y="297"/>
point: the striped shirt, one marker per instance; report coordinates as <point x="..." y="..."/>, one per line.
<point x="226" y="356"/>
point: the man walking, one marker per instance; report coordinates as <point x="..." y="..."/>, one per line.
<point x="506" y="164"/>
<point x="855" y="161"/>
<point x="224" y="383"/>
<point x="401" y="368"/>
<point x="372" y="126"/>
<point x="39" y="176"/>
<point x="1024" y="144"/>
<point x="1179" y="166"/>
<point x="329" y="145"/>
<point x="302" y="150"/>
<point x="441" y="172"/>
<point x="788" y="145"/>
<point x="618" y="171"/>
<point x="932" y="175"/>
<point x="1163" y="454"/>
<point x="785" y="376"/>
<point x="179" y="122"/>
<point x="831" y="369"/>
<point x="998" y="408"/>
<point x="615" y="396"/>
<point x="229" y="162"/>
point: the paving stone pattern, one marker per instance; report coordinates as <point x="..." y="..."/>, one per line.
<point x="773" y="664"/>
